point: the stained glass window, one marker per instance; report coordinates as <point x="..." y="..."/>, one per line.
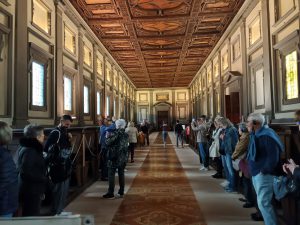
<point x="38" y="84"/>
<point x="291" y="76"/>
<point x="86" y="102"/>
<point x="98" y="103"/>
<point x="107" y="105"/>
<point x="67" y="94"/>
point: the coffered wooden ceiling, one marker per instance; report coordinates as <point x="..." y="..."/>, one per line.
<point x="159" y="43"/>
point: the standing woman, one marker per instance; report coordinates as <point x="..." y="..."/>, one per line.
<point x="164" y="132"/>
<point x="132" y="135"/>
<point x="8" y="175"/>
<point x="32" y="170"/>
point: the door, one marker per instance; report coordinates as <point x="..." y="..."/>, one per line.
<point x="232" y="107"/>
<point x="162" y="116"/>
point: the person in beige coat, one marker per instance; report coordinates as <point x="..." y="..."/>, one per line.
<point x="132" y="133"/>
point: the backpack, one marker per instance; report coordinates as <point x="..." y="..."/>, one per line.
<point x="59" y="162"/>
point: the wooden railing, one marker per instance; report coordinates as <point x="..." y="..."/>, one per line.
<point x="84" y="153"/>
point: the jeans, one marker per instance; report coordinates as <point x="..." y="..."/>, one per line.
<point x="231" y="173"/>
<point x="164" y="136"/>
<point x="203" y="153"/>
<point x="223" y="158"/>
<point x="59" y="194"/>
<point x="263" y="185"/>
<point x="111" y="179"/>
<point x="103" y="163"/>
<point x="179" y="137"/>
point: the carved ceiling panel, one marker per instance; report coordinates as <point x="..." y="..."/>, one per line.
<point x="159" y="43"/>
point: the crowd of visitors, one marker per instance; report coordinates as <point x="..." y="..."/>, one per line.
<point x="249" y="152"/>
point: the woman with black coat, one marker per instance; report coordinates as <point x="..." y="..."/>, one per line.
<point x="32" y="170"/>
<point x="8" y="175"/>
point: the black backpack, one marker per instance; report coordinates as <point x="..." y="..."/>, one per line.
<point x="59" y="162"/>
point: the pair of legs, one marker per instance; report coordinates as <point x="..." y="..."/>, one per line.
<point x="103" y="164"/>
<point x="203" y="153"/>
<point x="131" y="150"/>
<point x="111" y="179"/>
<point x="59" y="194"/>
<point x="263" y="185"/>
<point x="164" y="136"/>
<point x="146" y="135"/>
<point x="179" y="138"/>
<point x="229" y="172"/>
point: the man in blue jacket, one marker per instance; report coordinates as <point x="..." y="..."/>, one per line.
<point x="103" y="150"/>
<point x="263" y="157"/>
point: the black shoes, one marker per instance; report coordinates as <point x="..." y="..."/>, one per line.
<point x="108" y="196"/>
<point x="242" y="200"/>
<point x="257" y="216"/>
<point x="248" y="205"/>
<point x="217" y="176"/>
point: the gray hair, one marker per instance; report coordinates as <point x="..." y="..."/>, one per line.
<point x="224" y="121"/>
<point x="120" y="124"/>
<point x="33" y="131"/>
<point x="258" y="117"/>
<point x="5" y="133"/>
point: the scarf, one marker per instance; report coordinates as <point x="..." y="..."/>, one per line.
<point x="263" y="131"/>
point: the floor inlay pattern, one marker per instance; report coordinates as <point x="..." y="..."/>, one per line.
<point x="160" y="194"/>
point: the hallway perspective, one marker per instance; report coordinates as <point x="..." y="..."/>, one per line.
<point x="164" y="187"/>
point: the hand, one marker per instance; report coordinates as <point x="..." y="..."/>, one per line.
<point x="70" y="136"/>
<point x="222" y="136"/>
<point x="289" y="167"/>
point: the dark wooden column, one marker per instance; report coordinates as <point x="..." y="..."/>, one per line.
<point x="79" y="91"/>
<point x="269" y="103"/>
<point x="20" y="115"/>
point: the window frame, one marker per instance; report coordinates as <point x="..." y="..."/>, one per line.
<point x="40" y="56"/>
<point x="98" y="90"/>
<point x="71" y="74"/>
<point x="66" y="27"/>
<point x="282" y="49"/>
<point x="278" y="18"/>
<point x="89" y="86"/>
<point x="49" y="19"/>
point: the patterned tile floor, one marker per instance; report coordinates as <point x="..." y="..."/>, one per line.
<point x="169" y="199"/>
<point x="160" y="194"/>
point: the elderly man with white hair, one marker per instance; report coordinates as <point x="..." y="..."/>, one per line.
<point x="263" y="157"/>
<point x="117" y="145"/>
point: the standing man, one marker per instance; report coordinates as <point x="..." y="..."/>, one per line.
<point x="117" y="144"/>
<point x="61" y="179"/>
<point x="201" y="128"/>
<point x="103" y="150"/>
<point x="263" y="157"/>
<point x="145" y="130"/>
<point x="178" y="132"/>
